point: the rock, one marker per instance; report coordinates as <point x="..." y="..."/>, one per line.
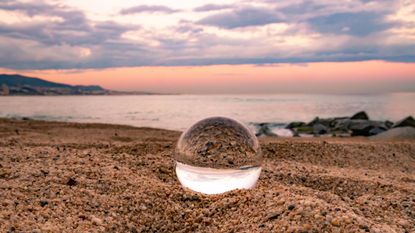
<point x="264" y="130"/>
<point x="389" y="124"/>
<point x="362" y="115"/>
<point x="295" y="124"/>
<point x="43" y="203"/>
<point x="363" y="127"/>
<point x="328" y="122"/>
<point x="319" y="129"/>
<point x="397" y="133"/>
<point x="407" y="121"/>
<point x="360" y="127"/>
<point x="71" y="182"/>
<point x="305" y="130"/>
<point x="335" y="222"/>
<point x="314" y="121"/>
<point x="376" y="130"/>
<point x="291" y="207"/>
<point x="96" y="221"/>
<point x="273" y="215"/>
<point x="341" y="125"/>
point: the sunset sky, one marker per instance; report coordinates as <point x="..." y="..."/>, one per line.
<point x="202" y="46"/>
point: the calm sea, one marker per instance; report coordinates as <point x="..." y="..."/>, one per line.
<point x="179" y="111"/>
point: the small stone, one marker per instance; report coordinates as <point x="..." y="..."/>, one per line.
<point x="364" y="227"/>
<point x="45" y="173"/>
<point x="273" y="216"/>
<point x="96" y="221"/>
<point x="307" y="227"/>
<point x="335" y="222"/>
<point x="195" y="198"/>
<point x="71" y="182"/>
<point x="143" y="207"/>
<point x="43" y="203"/>
<point x="291" y="207"/>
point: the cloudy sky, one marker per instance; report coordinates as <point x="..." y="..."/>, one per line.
<point x="72" y="39"/>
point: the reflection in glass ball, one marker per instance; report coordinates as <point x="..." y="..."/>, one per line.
<point x="217" y="155"/>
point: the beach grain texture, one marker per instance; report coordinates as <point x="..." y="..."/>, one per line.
<point x="70" y="177"/>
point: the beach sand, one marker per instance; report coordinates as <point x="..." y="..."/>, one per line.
<point x="70" y="177"/>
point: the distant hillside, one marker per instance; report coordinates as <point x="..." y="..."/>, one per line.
<point x="14" y="84"/>
<point x="13" y="80"/>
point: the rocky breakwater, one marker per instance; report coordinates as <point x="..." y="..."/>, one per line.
<point x="357" y="125"/>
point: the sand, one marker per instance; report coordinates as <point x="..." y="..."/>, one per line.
<point x="69" y="177"/>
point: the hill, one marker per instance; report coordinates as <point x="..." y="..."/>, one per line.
<point x="15" y="84"/>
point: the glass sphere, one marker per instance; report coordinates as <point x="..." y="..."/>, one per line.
<point x="217" y="155"/>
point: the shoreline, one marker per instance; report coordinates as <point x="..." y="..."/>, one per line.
<point x="64" y="176"/>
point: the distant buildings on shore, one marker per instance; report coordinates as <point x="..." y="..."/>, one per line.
<point x="21" y="85"/>
<point x="36" y="90"/>
<point x="4" y="90"/>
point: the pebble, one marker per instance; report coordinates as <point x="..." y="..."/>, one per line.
<point x="96" y="221"/>
<point x="43" y="203"/>
<point x="335" y="222"/>
<point x="71" y="182"/>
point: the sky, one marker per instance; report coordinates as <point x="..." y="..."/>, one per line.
<point x="205" y="46"/>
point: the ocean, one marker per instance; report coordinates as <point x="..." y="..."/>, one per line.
<point x="178" y="112"/>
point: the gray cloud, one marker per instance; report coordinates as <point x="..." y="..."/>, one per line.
<point x="241" y="18"/>
<point x="148" y="9"/>
<point x="212" y="7"/>
<point x="58" y="45"/>
<point x="77" y="42"/>
<point x="356" y="24"/>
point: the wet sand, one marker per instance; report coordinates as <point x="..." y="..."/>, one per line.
<point x="70" y="177"/>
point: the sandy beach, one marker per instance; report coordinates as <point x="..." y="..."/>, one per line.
<point x="71" y="177"/>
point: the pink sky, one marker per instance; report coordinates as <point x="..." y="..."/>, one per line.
<point x="324" y="77"/>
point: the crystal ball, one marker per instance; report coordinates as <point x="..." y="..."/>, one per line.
<point x="216" y="155"/>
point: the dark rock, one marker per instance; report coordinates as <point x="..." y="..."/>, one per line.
<point x="44" y="172"/>
<point x="314" y="121"/>
<point x="362" y="115"/>
<point x="341" y="125"/>
<point x="319" y="129"/>
<point x="376" y="130"/>
<point x="407" y="121"/>
<point x="264" y="130"/>
<point x="274" y="215"/>
<point x="43" y="203"/>
<point x="363" y="127"/>
<point x="295" y="124"/>
<point x="305" y="130"/>
<point x="71" y="182"/>
<point x="359" y="127"/>
<point x="389" y="124"/>
<point x="364" y="227"/>
<point x="291" y="207"/>
<point x="397" y="133"/>
<point x="195" y="198"/>
<point x="328" y="122"/>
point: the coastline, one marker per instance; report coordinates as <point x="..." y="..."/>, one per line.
<point x="61" y="176"/>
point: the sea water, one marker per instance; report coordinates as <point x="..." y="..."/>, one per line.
<point x="176" y="111"/>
